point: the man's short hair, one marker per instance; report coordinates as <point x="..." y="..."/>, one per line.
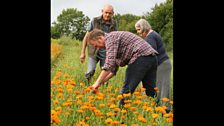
<point x="94" y="34"/>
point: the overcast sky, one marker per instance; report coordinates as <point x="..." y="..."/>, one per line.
<point x="92" y="8"/>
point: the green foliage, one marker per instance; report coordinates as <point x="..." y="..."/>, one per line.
<point x="161" y="20"/>
<point x="126" y="22"/>
<point x="70" y="22"/>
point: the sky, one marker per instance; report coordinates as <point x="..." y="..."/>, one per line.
<point x="92" y="8"/>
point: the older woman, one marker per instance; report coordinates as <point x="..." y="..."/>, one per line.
<point x="144" y="30"/>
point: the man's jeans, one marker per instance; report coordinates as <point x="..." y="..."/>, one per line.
<point x="92" y="66"/>
<point x="143" y="69"/>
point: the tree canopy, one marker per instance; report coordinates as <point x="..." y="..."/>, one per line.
<point x="70" y="22"/>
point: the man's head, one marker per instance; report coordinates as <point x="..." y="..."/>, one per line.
<point x="96" y="38"/>
<point x="107" y="12"/>
<point x="142" y="27"/>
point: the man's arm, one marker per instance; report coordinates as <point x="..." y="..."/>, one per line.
<point x="103" y="77"/>
<point x="84" y="44"/>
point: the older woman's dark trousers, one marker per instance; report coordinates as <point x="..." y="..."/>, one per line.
<point x="142" y="70"/>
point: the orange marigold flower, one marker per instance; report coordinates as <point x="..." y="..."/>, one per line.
<point x="87" y="118"/>
<point x="55" y="101"/>
<point x="77" y="92"/>
<point x="66" y="75"/>
<point x="127" y="101"/>
<point x="111" y="95"/>
<point x="145" y="103"/>
<point x="134" y="124"/>
<point x="127" y="106"/>
<point x="136" y="112"/>
<point x="133" y="108"/>
<point x="122" y="117"/>
<point x="136" y="93"/>
<point x="79" y="102"/>
<point x="123" y="111"/>
<point x="119" y="97"/>
<point x="112" y="99"/>
<point x="55" y="119"/>
<point x="53" y="113"/>
<point x="102" y="105"/>
<point x="165" y="99"/>
<point x="155" y="115"/>
<point x="109" y="114"/>
<point x="152" y="103"/>
<point x="143" y="89"/>
<point x="108" y="121"/>
<point x="59" y="110"/>
<point x="170" y="119"/>
<point x="149" y="109"/>
<point x="73" y="83"/>
<point x="70" y="90"/>
<point x="84" y="107"/>
<point x="112" y="106"/>
<point x="115" y="122"/>
<point x="80" y="111"/>
<point x="88" y="89"/>
<point x="138" y="102"/>
<point x="156" y="89"/>
<point x="141" y="119"/>
<point x="116" y="110"/>
<point x="127" y="95"/>
<point x="92" y="108"/>
<point x="81" y="84"/>
<point x="171" y="102"/>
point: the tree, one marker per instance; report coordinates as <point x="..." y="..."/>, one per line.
<point x="126" y="22"/>
<point x="70" y="22"/>
<point x="161" y="20"/>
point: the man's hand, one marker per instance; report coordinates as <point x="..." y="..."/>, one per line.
<point x="95" y="88"/>
<point x="82" y="57"/>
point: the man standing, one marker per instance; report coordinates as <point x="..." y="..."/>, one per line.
<point x="106" y="24"/>
<point x="125" y="48"/>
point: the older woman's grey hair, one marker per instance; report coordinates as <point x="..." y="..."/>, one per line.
<point x="143" y="25"/>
